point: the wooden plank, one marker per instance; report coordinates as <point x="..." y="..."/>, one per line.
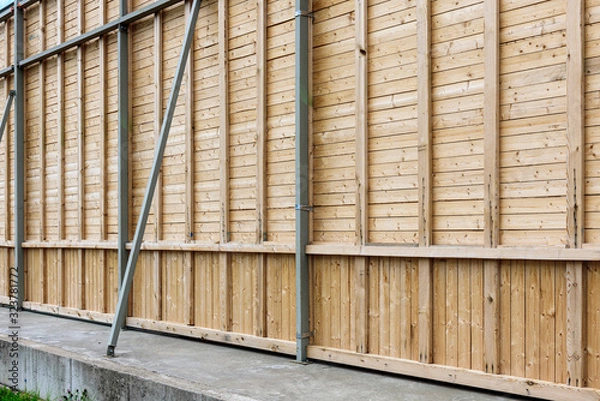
<point x="532" y="319"/>
<point x="42" y="124"/>
<point x="576" y="331"/>
<point x="548" y="340"/>
<point x="592" y="367"/>
<point x="492" y="324"/>
<point x="425" y="186"/>
<point x="517" y="319"/>
<point x="491" y="122"/>
<point x="575" y="123"/>
<point x="358" y="305"/>
<point x="457" y="376"/>
<point x="259" y="294"/>
<point x="362" y="130"/>
<point x="189" y="140"/>
<point x="158" y="193"/>
<point x="424" y="120"/>
<point x="60" y="94"/>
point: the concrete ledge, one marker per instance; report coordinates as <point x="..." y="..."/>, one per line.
<point x="52" y="371"/>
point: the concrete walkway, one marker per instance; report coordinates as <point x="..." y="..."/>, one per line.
<point x="158" y="367"/>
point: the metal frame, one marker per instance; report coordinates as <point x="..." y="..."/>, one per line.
<point x="302" y="182"/>
<point x="9" y="101"/>
<point x="125" y="287"/>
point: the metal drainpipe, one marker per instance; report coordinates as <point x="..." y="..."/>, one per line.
<point x="302" y="206"/>
<point x="19" y="144"/>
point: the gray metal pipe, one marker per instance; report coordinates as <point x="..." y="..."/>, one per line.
<point x="125" y="287"/>
<point x="303" y="94"/>
<point x="7" y="106"/>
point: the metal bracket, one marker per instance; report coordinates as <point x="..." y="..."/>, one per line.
<point x="304" y="336"/>
<point x="307" y="14"/>
<point x="304" y="208"/>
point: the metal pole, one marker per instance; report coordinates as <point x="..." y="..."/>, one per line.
<point x="19" y="143"/>
<point x="123" y="143"/>
<point x="302" y="207"/>
<point x="151" y="186"/>
<point x="9" y="101"/>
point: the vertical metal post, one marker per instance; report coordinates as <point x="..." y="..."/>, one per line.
<point x="9" y="101"/>
<point x="125" y="287"/>
<point x="123" y="143"/>
<point x="19" y="143"/>
<point x="302" y="207"/>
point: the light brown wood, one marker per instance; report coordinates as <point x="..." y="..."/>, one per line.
<point x="575" y="327"/>
<point x="575" y="123"/>
<point x="508" y="384"/>
<point x="362" y="131"/>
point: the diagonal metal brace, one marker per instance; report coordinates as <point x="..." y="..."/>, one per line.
<point x="11" y="96"/>
<point x="125" y="289"/>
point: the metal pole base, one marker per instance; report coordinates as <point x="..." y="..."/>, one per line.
<point x="110" y="351"/>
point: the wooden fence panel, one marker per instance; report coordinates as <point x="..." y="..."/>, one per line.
<point x="533" y="123"/>
<point x="457" y="118"/>
<point x="392" y="123"/>
<point x="218" y="259"/>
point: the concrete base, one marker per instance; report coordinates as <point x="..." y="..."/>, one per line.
<point x="56" y="354"/>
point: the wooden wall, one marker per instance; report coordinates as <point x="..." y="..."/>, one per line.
<point x="453" y="176"/>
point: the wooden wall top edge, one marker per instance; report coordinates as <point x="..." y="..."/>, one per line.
<point x="162" y="246"/>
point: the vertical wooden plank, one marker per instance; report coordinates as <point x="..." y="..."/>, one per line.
<point x="547" y="321"/>
<point x="335" y="297"/>
<point x="398" y="319"/>
<point x="464" y="291"/>
<point x="361" y="133"/>
<point x="532" y="319"/>
<point x="42" y="122"/>
<point x="81" y="153"/>
<point x="414" y="308"/>
<point x="225" y="280"/>
<point x="42" y="146"/>
<point x="158" y="193"/>
<point x="491" y="129"/>
<point x="373" y="307"/>
<point x="477" y="315"/>
<point x="103" y="60"/>
<point x="261" y="167"/>
<point x="504" y="334"/>
<point x="517" y="321"/>
<point x="575" y="190"/>
<point x="560" y="374"/>
<point x="384" y="306"/>
<point x="358" y="306"/>
<point x="424" y="175"/>
<point x="592" y="371"/>
<point x="288" y="320"/>
<point x="189" y="138"/>
<point x="575" y="123"/>
<point x="188" y="288"/>
<point x="575" y="331"/>
<point x="439" y="312"/>
<point x="452" y="310"/>
<point x="188" y="273"/>
<point x="60" y="66"/>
